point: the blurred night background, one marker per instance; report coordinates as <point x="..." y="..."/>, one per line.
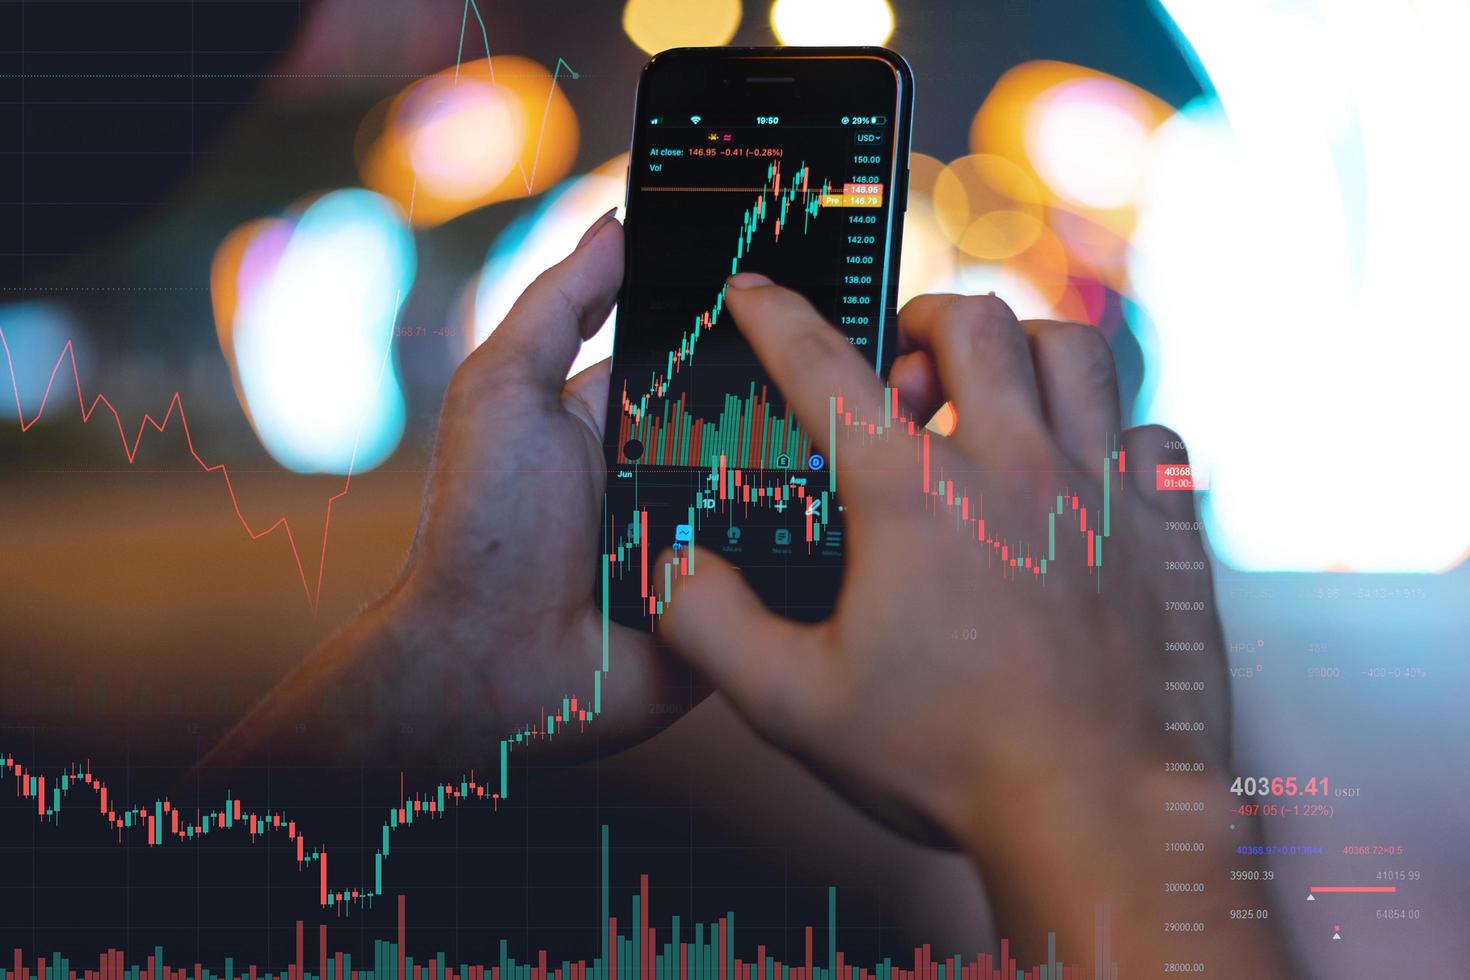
<point x="1261" y="205"/>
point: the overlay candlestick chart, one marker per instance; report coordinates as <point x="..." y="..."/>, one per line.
<point x="730" y="489"/>
<point x="945" y="497"/>
<point x="630" y="949"/>
<point x="162" y="823"/>
<point x="737" y="453"/>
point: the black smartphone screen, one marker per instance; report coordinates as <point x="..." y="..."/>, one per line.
<point x="791" y="163"/>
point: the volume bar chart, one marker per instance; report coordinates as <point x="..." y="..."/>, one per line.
<point x="746" y="434"/>
<point x="630" y="948"/>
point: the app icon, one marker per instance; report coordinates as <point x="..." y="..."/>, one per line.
<point x="783" y="536"/>
<point x="684" y="533"/>
<point x="732" y="535"/>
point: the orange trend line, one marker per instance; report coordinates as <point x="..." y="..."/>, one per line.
<point x="313" y="596"/>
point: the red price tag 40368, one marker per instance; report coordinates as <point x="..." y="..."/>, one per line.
<point x="1179" y="476"/>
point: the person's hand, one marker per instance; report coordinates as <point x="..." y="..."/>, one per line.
<point x="1022" y="719"/>
<point x="941" y="684"/>
<point x="493" y="619"/>
<point x="499" y="583"/>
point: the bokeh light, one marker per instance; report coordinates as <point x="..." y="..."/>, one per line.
<point x="1096" y="249"/>
<point x="1044" y="267"/>
<point x="1082" y="135"/>
<point x="36" y="333"/>
<point x="541" y="238"/>
<point x="305" y="310"/>
<point x="490" y="130"/>
<point x="832" y="21"/>
<point x="987" y="206"/>
<point x="463" y="139"/>
<point x="656" y="25"/>
<point x="927" y="260"/>
<point x="1088" y="139"/>
<point x="241" y="264"/>
<point x="1294" y="243"/>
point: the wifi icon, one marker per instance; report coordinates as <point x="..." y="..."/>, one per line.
<point x="695" y="119"/>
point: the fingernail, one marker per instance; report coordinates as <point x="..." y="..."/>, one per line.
<point x="595" y="227"/>
<point x="745" y="280"/>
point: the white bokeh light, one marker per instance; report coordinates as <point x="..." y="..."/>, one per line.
<point x="312" y="336"/>
<point x="928" y="259"/>
<point x="832" y="21"/>
<point x="1293" y="251"/>
<point x="541" y="239"/>
<point x="463" y="136"/>
<point x="1088" y="140"/>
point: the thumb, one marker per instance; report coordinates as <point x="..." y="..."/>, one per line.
<point x="564" y="305"/>
<point x="769" y="667"/>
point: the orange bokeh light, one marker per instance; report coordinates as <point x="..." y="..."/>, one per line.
<point x="490" y="130"/>
<point x="1003" y="123"/>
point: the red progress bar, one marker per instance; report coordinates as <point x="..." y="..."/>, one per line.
<point x="1356" y="889"/>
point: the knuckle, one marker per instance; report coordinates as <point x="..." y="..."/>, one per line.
<point x="927" y="304"/>
<point x="987" y="307"/>
<point x="994" y="307"/>
<point x="984" y="321"/>
<point x="1088" y="349"/>
<point x="954" y="328"/>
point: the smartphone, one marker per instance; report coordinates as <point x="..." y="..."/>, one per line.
<point x="792" y="162"/>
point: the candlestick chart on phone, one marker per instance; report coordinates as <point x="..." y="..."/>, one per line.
<point x="701" y="448"/>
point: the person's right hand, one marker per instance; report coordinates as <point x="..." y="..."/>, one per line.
<point x="940" y="682"/>
<point x="1022" y="719"/>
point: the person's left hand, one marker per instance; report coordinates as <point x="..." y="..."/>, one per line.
<point x="493" y="620"/>
<point x="499" y="584"/>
